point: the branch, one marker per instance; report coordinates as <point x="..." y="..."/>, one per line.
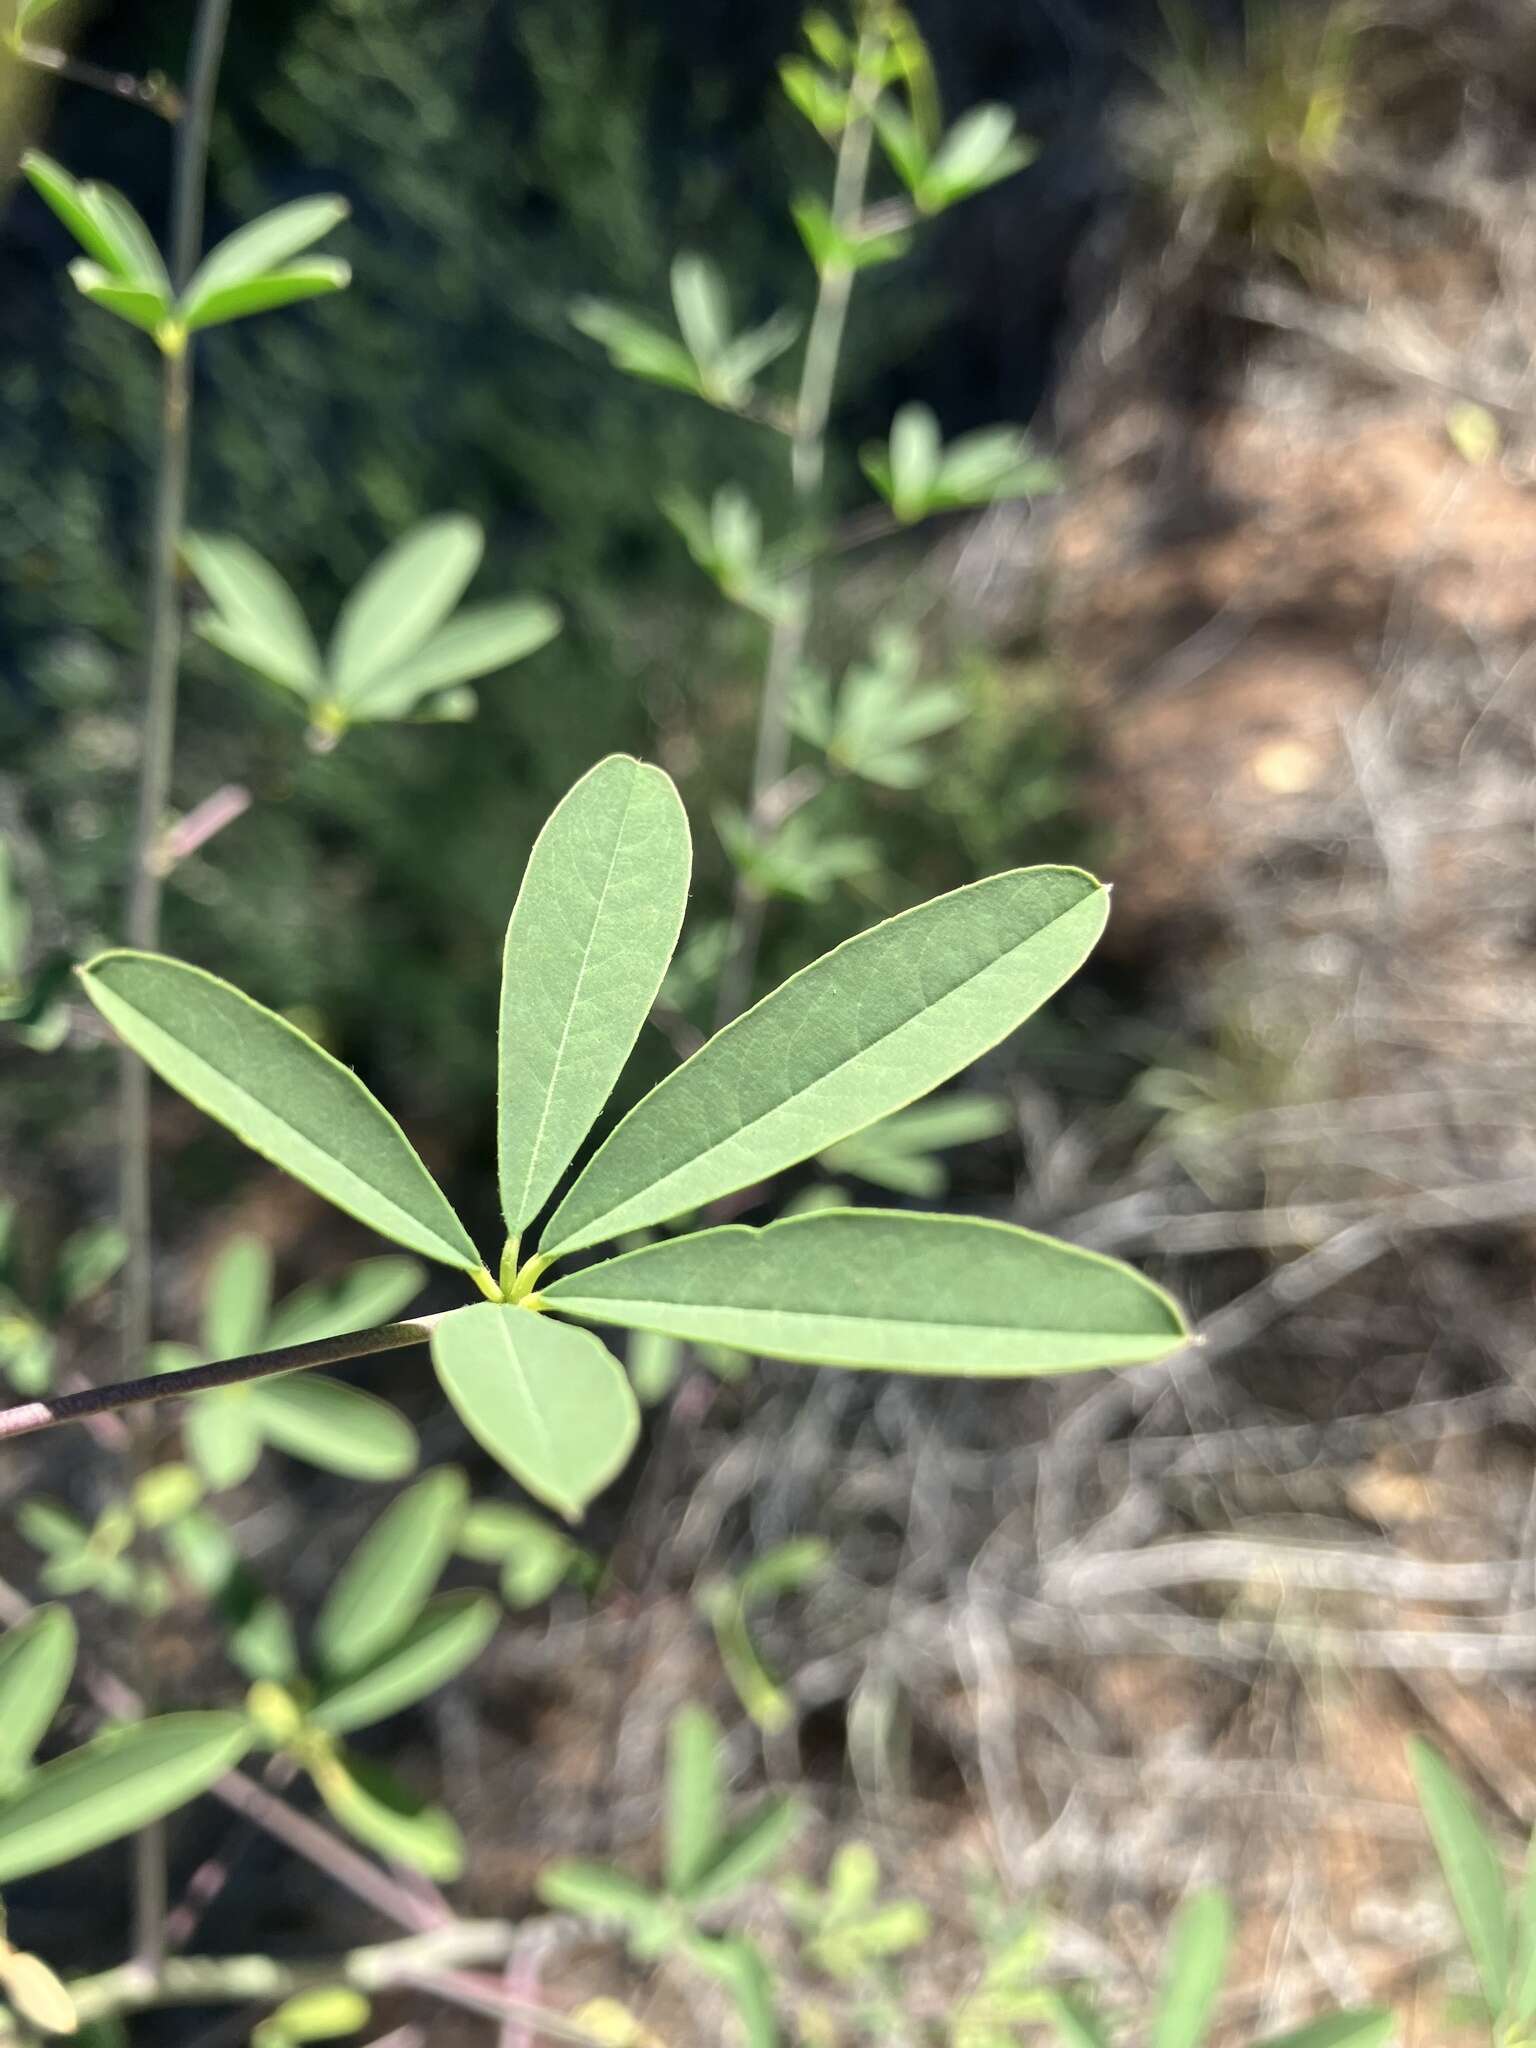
<point x="29" y="1416"/>
<point x="258" y="1979"/>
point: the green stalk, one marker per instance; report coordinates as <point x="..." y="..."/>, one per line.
<point x="159" y="742"/>
<point x="807" y="472"/>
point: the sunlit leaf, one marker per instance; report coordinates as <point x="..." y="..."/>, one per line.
<point x="114" y="1785"/>
<point x="549" y="1403"/>
<point x="594" y="926"/>
<point x="887" y="1289"/>
<point x="388" y="1578"/>
<point x="866" y="1030"/>
<point x="36" y="1660"/>
<point x="278" y="1091"/>
<point x="261" y="246"/>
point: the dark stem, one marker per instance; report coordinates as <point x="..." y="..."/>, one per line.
<point x="156" y="95"/>
<point x="29" y="1416"/>
<point x="189" y="173"/>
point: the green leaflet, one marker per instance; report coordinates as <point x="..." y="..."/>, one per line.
<point x="118" y="1783"/>
<point x="548" y="1402"/>
<point x="223" y="1436"/>
<point x="1197" y="1962"/>
<point x="475" y="642"/>
<point x="238" y="1296"/>
<point x="449" y="1633"/>
<point x="338" y="1427"/>
<point x="260" y="247"/>
<point x="259" y="620"/>
<point x="402" y="599"/>
<point x="695" y="1797"/>
<point x="865" y="1030"/>
<point x="36" y="1659"/>
<point x="279" y="1092"/>
<point x="589" y="940"/>
<point x="886" y="1289"/>
<point x="387" y="1580"/>
<point x="1472" y="1873"/>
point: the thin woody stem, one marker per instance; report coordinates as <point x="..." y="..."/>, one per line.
<point x="29" y="1416"/>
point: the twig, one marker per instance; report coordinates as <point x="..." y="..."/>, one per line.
<point x="189" y="172"/>
<point x="30" y="1416"/>
<point x="154" y="93"/>
<point x="807" y="467"/>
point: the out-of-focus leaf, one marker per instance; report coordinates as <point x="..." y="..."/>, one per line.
<point x="695" y="1797"/>
<point x="223" y="1436"/>
<point x="258" y="620"/>
<point x="337" y="1427"/>
<point x="475" y="642"/>
<point x="372" y="1805"/>
<point x="237" y="1297"/>
<point x="1472" y="1873"/>
<point x="373" y="1291"/>
<point x="1192" y="1977"/>
<point x="402" y="600"/>
<point x="35" y="1993"/>
<point x="36" y="1660"/>
<point x="261" y="246"/>
<point x="115" y="1785"/>
<point x="448" y="1634"/>
<point x="386" y="1582"/>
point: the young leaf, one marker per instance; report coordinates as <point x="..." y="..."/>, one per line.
<point x="1367" y="2029"/>
<point x="312" y="277"/>
<point x="387" y="1580"/>
<point x="36" y="1660"/>
<point x="102" y="222"/>
<point x="239" y="1293"/>
<point x="223" y="1436"/>
<point x="277" y="1090"/>
<point x="889" y="1291"/>
<point x="114" y="1785"/>
<point x="258" y="621"/>
<point x="446" y="1637"/>
<point x="1197" y="1962"/>
<point x="1472" y="1873"/>
<point x="328" y="2012"/>
<point x="372" y="1291"/>
<point x="635" y="346"/>
<point x="864" y="1031"/>
<point x="90" y="1257"/>
<point x="371" y="1804"/>
<point x="548" y="1402"/>
<point x="594" y="926"/>
<point x="534" y="1558"/>
<point x="695" y="1798"/>
<point x="475" y="642"/>
<point x="261" y="246"/>
<point x="337" y="1427"/>
<point x="738" y="1964"/>
<point x="401" y="601"/>
<point x="654" y="1365"/>
<point x="980" y="149"/>
<point x="916" y="453"/>
<point x="36" y="1995"/>
<point x="897" y="1153"/>
<point x="1076" y="2025"/>
<point x="139" y="304"/>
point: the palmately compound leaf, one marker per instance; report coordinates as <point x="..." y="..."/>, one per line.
<point x="278" y="1091"/>
<point x="114" y="1785"/>
<point x="1192" y="1977"/>
<point x="885" y="1289"/>
<point x="36" y="1660"/>
<point x="549" y="1403"/>
<point x="594" y="926"/>
<point x="402" y="599"/>
<point x="260" y="247"/>
<point x="258" y="621"/>
<point x="865" y="1030"/>
<point x="447" y="1635"/>
<point x="695" y="1797"/>
<point x="387" y="1580"/>
<point x="339" y="1428"/>
<point x="1471" y="1866"/>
